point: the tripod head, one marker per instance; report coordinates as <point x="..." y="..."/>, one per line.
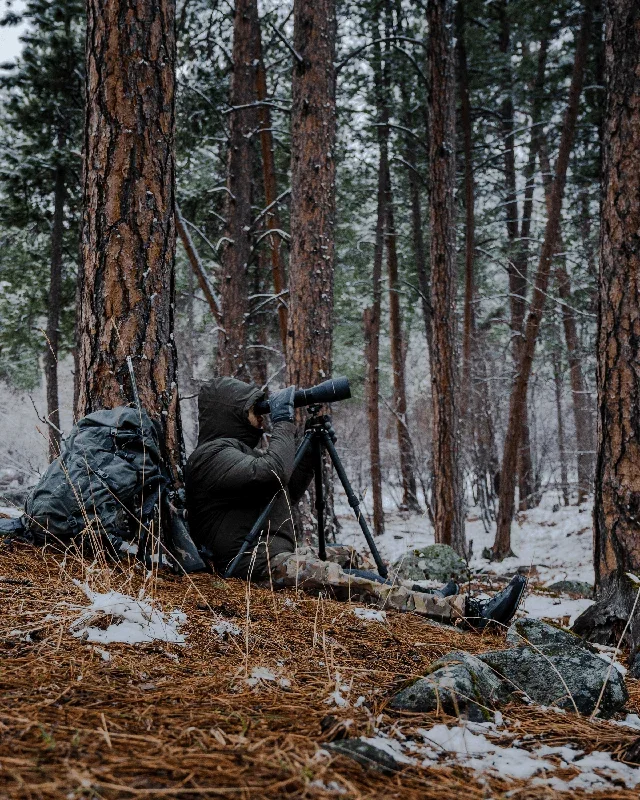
<point x="318" y="422"/>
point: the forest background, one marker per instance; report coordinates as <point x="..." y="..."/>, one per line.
<point x="513" y="64"/>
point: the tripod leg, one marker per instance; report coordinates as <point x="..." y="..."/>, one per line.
<point x="317" y="469"/>
<point x="353" y="502"/>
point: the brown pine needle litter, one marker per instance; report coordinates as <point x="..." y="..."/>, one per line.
<point x="227" y="715"/>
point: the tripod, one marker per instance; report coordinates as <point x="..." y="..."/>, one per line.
<point x="318" y="435"/>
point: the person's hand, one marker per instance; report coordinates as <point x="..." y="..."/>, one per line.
<point x="281" y="405"/>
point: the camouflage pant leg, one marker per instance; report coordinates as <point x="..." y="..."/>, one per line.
<point x="304" y="570"/>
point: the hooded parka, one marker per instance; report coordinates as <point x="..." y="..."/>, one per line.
<point x="229" y="482"/>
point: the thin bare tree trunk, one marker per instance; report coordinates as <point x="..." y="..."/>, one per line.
<point x="447" y="500"/>
<point x="382" y="74"/>
<point x="582" y="412"/>
<point x="236" y="250"/>
<point x="468" y="322"/>
<point x="398" y="353"/>
<point x="502" y="544"/>
<point x="372" y="357"/>
<point x="128" y="240"/>
<point x="528" y="495"/>
<point x="197" y="266"/>
<point x="53" y="312"/>
<point x="372" y="319"/>
<point x="557" y="380"/>
<point x="417" y="234"/>
<point x="517" y="279"/>
<point x="272" y="217"/>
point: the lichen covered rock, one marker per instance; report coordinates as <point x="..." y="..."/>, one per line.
<point x="459" y="684"/>
<point x="561" y="675"/>
<point x="437" y="562"/>
<point x="529" y="631"/>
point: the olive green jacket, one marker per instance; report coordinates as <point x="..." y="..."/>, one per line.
<point x="229" y="482"/>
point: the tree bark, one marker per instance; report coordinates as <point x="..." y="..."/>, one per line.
<point x="53" y="312"/>
<point x="617" y="484"/>
<point x="582" y="413"/>
<point x="468" y="323"/>
<point x="417" y="233"/>
<point x="447" y="488"/>
<point x="313" y="125"/>
<point x="236" y="250"/>
<point x="405" y="447"/>
<point x="272" y="217"/>
<point x="502" y="544"/>
<point x="557" y="380"/>
<point x="515" y="271"/>
<point x="528" y="495"/>
<point x="128" y="240"/>
<point x="372" y="320"/>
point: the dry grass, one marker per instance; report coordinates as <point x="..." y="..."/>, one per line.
<point x="169" y="721"/>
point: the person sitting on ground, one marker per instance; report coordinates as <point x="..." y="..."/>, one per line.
<point x="229" y="482"/>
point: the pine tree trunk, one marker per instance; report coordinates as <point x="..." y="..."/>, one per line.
<point x="528" y="495"/>
<point x="313" y="124"/>
<point x="371" y="320"/>
<point x="582" y="412"/>
<point x="617" y="485"/>
<point x="53" y="314"/>
<point x="468" y="322"/>
<point x="405" y="447"/>
<point x="417" y="233"/>
<point x="557" y="380"/>
<point x="502" y="544"/>
<point x="236" y="251"/>
<point x="447" y="497"/>
<point x="272" y="217"/>
<point x="517" y="277"/>
<point x="128" y="241"/>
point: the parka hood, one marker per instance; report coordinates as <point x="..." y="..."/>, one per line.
<point x="223" y="407"/>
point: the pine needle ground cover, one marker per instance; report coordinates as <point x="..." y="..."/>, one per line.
<point x="241" y="698"/>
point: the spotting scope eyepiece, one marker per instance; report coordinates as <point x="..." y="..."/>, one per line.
<point x="330" y="391"/>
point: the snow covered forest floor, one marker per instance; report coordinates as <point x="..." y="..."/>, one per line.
<point x="118" y="685"/>
<point x="552" y="543"/>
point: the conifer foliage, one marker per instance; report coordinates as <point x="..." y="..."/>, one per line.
<point x="40" y="169"/>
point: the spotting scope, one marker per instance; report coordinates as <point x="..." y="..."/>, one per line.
<point x="330" y="391"/>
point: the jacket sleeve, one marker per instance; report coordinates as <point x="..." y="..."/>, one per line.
<point x="236" y="470"/>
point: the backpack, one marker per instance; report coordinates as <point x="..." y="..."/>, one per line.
<point x="107" y="474"/>
<point x="106" y="485"/>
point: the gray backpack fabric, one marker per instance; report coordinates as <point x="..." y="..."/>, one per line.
<point x="106" y="480"/>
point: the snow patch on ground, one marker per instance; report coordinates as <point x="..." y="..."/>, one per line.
<point x="260" y="675"/>
<point x="223" y="628"/>
<point x="470" y="745"/>
<point x="545" y="606"/>
<point x="370" y="614"/>
<point x="136" y="621"/>
<point x="339" y="697"/>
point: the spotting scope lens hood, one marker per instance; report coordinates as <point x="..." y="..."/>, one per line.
<point x="330" y="391"/>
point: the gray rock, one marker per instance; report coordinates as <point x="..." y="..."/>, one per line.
<point x="537" y="674"/>
<point x="366" y="754"/>
<point x="530" y="631"/>
<point x="459" y="683"/>
<point x="578" y="588"/>
<point x="437" y="562"/>
<point x="634" y="669"/>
